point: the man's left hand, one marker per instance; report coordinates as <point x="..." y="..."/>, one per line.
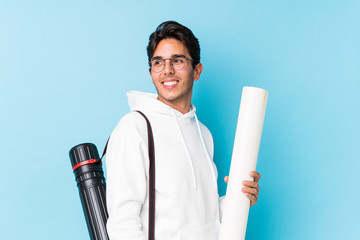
<point x="251" y="188"/>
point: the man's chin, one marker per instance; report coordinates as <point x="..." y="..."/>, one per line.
<point x="167" y="99"/>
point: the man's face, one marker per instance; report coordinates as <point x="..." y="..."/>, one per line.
<point x="174" y="87"/>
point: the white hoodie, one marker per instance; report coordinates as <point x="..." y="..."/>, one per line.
<point x="187" y="205"/>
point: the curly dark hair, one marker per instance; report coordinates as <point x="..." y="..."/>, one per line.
<point x="172" y="29"/>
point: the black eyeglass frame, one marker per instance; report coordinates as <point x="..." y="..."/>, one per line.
<point x="174" y="56"/>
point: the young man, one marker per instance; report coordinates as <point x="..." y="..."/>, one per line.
<point x="187" y="201"/>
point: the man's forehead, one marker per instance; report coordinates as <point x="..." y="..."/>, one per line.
<point x="170" y="47"/>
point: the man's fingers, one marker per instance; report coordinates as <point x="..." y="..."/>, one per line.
<point x="252" y="198"/>
<point x="253" y="191"/>
<point x="251" y="188"/>
<point x="251" y="184"/>
<point x="255" y="175"/>
<point x="252" y="194"/>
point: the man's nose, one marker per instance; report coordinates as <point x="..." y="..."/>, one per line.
<point x="168" y="67"/>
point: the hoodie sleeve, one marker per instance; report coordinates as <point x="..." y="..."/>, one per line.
<point x="126" y="167"/>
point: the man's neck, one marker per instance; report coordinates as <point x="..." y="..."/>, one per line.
<point x="183" y="107"/>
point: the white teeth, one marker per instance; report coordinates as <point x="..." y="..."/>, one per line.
<point x="169" y="83"/>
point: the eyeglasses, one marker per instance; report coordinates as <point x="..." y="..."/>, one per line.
<point x="157" y="64"/>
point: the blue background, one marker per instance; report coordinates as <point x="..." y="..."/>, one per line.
<point x="65" y="67"/>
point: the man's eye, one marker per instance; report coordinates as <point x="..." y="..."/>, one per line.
<point x="178" y="60"/>
<point x="157" y="62"/>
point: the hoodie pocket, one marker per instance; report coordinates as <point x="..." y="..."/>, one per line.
<point x="206" y="232"/>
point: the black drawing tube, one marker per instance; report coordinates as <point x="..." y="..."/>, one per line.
<point x="90" y="180"/>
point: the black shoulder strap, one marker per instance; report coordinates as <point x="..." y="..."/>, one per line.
<point x="151" y="234"/>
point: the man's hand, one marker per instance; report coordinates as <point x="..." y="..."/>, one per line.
<point x="251" y="189"/>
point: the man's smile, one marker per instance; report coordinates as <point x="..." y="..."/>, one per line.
<point x="170" y="83"/>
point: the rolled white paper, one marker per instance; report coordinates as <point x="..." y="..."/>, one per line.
<point x="244" y="158"/>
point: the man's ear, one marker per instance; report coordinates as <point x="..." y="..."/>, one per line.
<point x="197" y="71"/>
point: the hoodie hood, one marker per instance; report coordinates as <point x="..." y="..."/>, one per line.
<point x="148" y="101"/>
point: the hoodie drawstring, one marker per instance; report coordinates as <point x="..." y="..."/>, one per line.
<point x="187" y="151"/>
<point x="207" y="154"/>
<point x="188" y="154"/>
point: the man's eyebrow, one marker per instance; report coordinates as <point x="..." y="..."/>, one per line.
<point x="156" y="58"/>
<point x="172" y="56"/>
<point x="178" y="55"/>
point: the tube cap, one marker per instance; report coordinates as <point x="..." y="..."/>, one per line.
<point x="83" y="152"/>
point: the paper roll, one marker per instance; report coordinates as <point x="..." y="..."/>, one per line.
<point x="244" y="158"/>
